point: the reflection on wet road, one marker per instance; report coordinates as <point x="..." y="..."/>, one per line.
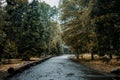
<point x="60" y="68"/>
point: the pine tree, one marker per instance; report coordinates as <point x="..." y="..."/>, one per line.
<point x="2" y="33"/>
<point x="104" y="16"/>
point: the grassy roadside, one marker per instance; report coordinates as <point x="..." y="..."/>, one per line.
<point x="98" y="64"/>
<point x="16" y="64"/>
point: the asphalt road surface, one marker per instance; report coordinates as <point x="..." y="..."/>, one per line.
<point x="60" y="68"/>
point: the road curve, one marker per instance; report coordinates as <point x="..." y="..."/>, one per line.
<point x="60" y="68"/>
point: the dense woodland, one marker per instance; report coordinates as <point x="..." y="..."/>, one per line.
<point x="30" y="30"/>
<point x="91" y="26"/>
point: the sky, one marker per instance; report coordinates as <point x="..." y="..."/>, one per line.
<point x="51" y="2"/>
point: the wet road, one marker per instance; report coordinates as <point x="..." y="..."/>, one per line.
<point x="60" y="68"/>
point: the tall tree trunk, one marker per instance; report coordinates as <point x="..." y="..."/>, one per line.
<point x="1" y="51"/>
<point x="0" y="57"/>
<point x="110" y="55"/>
<point x="92" y="56"/>
<point x="77" y="56"/>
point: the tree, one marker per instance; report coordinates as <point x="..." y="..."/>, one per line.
<point x="75" y="33"/>
<point x="2" y="33"/>
<point x="88" y="25"/>
<point x="15" y="10"/>
<point x="55" y="39"/>
<point x="27" y="29"/>
<point x="38" y="29"/>
<point x="104" y="17"/>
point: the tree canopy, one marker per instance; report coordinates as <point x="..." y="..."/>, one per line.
<point x="91" y="26"/>
<point x="28" y="29"/>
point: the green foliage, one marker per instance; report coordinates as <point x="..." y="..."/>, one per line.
<point x="105" y="19"/>
<point x="10" y="50"/>
<point x="56" y="42"/>
<point x="75" y="33"/>
<point x="28" y="29"/>
<point x="2" y="23"/>
<point x="91" y="26"/>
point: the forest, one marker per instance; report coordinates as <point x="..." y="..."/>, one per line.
<point x="28" y="30"/>
<point x="91" y="26"/>
<point x="85" y="26"/>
